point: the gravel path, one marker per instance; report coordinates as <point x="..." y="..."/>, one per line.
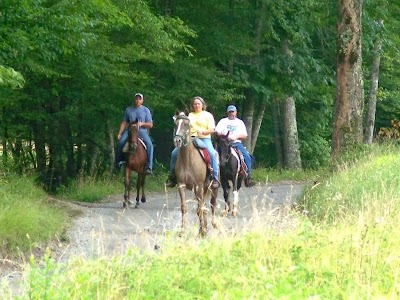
<point x="105" y="228"/>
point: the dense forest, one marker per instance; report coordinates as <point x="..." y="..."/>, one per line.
<point x="305" y="75"/>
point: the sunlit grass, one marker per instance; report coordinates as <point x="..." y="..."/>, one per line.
<point x="343" y="245"/>
<point x="27" y="218"/>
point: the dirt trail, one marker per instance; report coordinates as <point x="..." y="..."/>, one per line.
<point x="105" y="228"/>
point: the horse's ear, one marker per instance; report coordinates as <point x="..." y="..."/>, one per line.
<point x="177" y="112"/>
<point x="226" y="135"/>
<point x="136" y="121"/>
<point x="186" y="112"/>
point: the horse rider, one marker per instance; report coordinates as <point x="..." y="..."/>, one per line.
<point x="145" y="122"/>
<point x="237" y="132"/>
<point x="202" y="125"/>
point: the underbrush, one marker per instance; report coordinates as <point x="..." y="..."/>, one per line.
<point x="27" y="217"/>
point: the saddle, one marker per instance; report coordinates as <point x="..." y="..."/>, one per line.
<point x="126" y="149"/>
<point x="205" y="155"/>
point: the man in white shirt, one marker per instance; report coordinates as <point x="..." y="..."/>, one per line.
<point x="237" y="132"/>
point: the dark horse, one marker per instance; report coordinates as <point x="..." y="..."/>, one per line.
<point x="230" y="171"/>
<point x="136" y="159"/>
<point x="191" y="173"/>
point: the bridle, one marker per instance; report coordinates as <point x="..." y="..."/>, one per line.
<point x="132" y="145"/>
<point x="228" y="145"/>
<point x="181" y="120"/>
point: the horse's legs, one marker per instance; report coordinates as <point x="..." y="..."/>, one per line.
<point x="140" y="187"/>
<point x="235" y="196"/>
<point x="142" y="181"/>
<point x="182" y="193"/>
<point x="213" y="204"/>
<point x="201" y="210"/>
<point x="127" y="183"/>
<point x="226" y="188"/>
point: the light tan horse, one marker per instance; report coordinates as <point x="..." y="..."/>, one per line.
<point x="191" y="173"/>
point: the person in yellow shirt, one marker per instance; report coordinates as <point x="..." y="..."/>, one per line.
<point x="202" y="125"/>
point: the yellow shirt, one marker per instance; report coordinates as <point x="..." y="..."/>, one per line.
<point x="201" y="121"/>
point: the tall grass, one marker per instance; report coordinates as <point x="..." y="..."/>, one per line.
<point x="348" y="249"/>
<point x="27" y="219"/>
<point x="356" y="185"/>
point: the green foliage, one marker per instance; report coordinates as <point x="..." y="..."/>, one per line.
<point x="339" y="253"/>
<point x="27" y="219"/>
<point x="10" y="77"/>
<point x="356" y="261"/>
<point x="369" y="176"/>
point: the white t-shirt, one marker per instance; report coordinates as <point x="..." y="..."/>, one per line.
<point x="235" y="127"/>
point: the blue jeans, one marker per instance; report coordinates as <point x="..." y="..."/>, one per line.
<point x="211" y="151"/>
<point x="246" y="155"/>
<point x="144" y="135"/>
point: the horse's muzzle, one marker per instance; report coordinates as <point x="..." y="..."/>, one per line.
<point x="178" y="141"/>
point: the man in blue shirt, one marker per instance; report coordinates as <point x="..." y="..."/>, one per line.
<point x="145" y="122"/>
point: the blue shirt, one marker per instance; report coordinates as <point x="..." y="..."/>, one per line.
<point x="141" y="113"/>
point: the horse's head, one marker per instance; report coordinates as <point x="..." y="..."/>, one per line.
<point x="181" y="129"/>
<point x="133" y="135"/>
<point x="224" y="148"/>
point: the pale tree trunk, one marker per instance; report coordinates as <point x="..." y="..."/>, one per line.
<point x="255" y="104"/>
<point x="373" y="90"/>
<point x="290" y="139"/>
<point x="257" y="122"/>
<point x="248" y="113"/>
<point x="347" y="123"/>
<point x="111" y="146"/>
<point x="291" y="146"/>
<point x="276" y="119"/>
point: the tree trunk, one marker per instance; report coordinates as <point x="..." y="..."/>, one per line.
<point x="276" y="119"/>
<point x="40" y="150"/>
<point x="257" y="122"/>
<point x="290" y="138"/>
<point x="248" y="113"/>
<point x="373" y="90"/>
<point x="111" y="146"/>
<point x="347" y="123"/>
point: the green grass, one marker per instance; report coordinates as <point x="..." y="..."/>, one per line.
<point x="352" y="261"/>
<point x="27" y="218"/>
<point x="93" y="190"/>
<point x="345" y="246"/>
<point x="354" y="186"/>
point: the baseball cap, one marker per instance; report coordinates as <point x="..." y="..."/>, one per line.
<point x="138" y="95"/>
<point x="231" y="108"/>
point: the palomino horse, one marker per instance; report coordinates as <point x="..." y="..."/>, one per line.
<point x="136" y="159"/>
<point x="191" y="173"/>
<point x="230" y="171"/>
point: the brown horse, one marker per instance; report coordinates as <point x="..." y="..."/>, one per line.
<point x="191" y="173"/>
<point x="136" y="159"/>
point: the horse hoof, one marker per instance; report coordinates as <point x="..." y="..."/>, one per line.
<point x="234" y="213"/>
<point x="143" y="200"/>
<point x="124" y="205"/>
<point x="137" y="205"/>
